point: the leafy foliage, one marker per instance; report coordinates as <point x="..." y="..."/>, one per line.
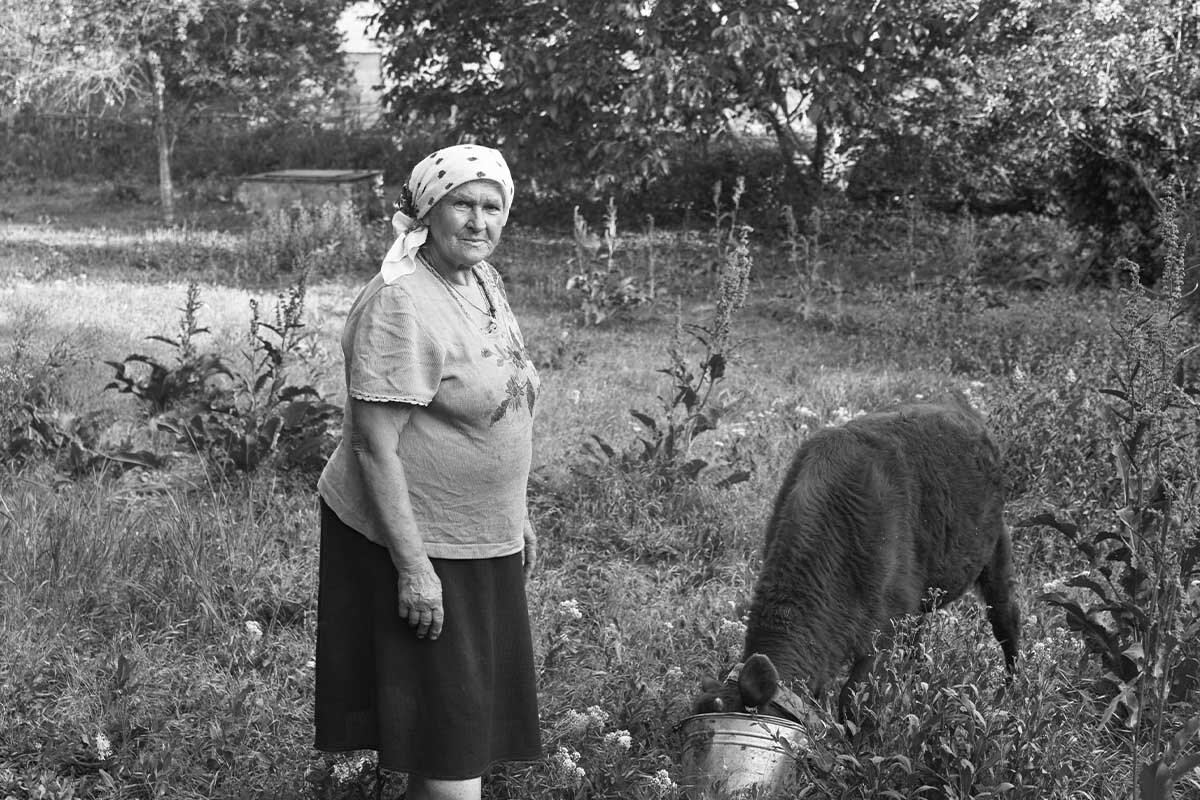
<point x="1141" y="618"/>
<point x="602" y="287"/>
<point x="1116" y="85"/>
<point x="689" y="410"/>
<point x="614" y="84"/>
<point x="257" y="413"/>
<point x="165" y="386"/>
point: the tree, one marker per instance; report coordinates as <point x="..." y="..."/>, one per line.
<point x="1087" y="105"/>
<point x="615" y="83"/>
<point x="801" y="67"/>
<point x="531" y="75"/>
<point x="1109" y="93"/>
<point x="171" y="59"/>
<point x="36" y="67"/>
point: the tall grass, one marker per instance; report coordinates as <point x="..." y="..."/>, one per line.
<point x="158" y="625"/>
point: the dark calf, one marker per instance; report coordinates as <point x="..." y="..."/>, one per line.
<point x="873" y="519"/>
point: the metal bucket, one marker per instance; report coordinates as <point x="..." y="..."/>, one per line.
<point x="738" y="755"/>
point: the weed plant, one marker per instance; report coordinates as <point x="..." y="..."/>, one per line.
<point x="237" y="416"/>
<point x="690" y="409"/>
<point x="163" y="387"/>
<point x="1134" y="608"/>
<point x="603" y="288"/>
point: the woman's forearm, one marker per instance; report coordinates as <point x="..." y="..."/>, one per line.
<point x="386" y="491"/>
<point x="373" y="440"/>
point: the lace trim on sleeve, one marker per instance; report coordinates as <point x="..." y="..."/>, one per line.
<point x="378" y="398"/>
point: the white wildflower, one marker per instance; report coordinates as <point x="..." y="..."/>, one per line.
<point x="662" y="781"/>
<point x="1106" y="10"/>
<point x="254" y="630"/>
<point x="103" y="746"/>
<point x="349" y="769"/>
<point x="566" y="764"/>
<point x="619" y="739"/>
<point x="575" y="723"/>
<point x="597" y="715"/>
<point x="1056" y="585"/>
<point x="566" y="757"/>
<point x="570" y="609"/>
<point x="733" y="627"/>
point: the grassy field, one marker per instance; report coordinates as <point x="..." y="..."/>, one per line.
<point x="157" y="614"/>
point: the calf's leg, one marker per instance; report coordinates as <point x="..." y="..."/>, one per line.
<point x="997" y="586"/>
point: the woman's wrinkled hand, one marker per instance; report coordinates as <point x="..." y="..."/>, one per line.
<point x="529" y="555"/>
<point x="420" y="600"/>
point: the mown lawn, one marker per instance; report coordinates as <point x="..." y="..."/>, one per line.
<point x="157" y="622"/>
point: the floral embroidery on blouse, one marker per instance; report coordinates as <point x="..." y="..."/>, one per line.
<point x="521" y="389"/>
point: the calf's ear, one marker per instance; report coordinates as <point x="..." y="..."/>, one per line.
<point x="709" y="701"/>
<point x="758" y="680"/>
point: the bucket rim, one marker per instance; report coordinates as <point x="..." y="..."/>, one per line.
<point x="764" y="718"/>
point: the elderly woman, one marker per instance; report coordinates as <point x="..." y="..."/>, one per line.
<point x="423" y="642"/>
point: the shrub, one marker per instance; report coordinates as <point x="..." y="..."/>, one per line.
<point x="163" y="387"/>
<point x="331" y="239"/>
<point x="257" y="413"/>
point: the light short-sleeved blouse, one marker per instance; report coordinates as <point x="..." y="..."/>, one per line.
<point x="467" y="447"/>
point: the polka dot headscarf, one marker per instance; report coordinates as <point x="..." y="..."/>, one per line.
<point x="431" y="179"/>
<point x="440" y="172"/>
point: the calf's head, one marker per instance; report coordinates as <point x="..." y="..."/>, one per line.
<point x="756" y="682"/>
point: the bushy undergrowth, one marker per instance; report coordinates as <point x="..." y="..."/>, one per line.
<point x="158" y="624"/>
<point x="328" y="240"/>
<point x="238" y="414"/>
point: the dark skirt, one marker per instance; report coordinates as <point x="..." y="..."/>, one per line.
<point x="442" y="709"/>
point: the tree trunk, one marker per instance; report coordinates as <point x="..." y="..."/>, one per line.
<point x="789" y="142"/>
<point x="820" y="152"/>
<point x="162" y="138"/>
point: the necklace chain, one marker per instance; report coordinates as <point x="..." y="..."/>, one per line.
<point x="458" y="294"/>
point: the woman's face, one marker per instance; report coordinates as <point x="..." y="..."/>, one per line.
<point x="465" y="225"/>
